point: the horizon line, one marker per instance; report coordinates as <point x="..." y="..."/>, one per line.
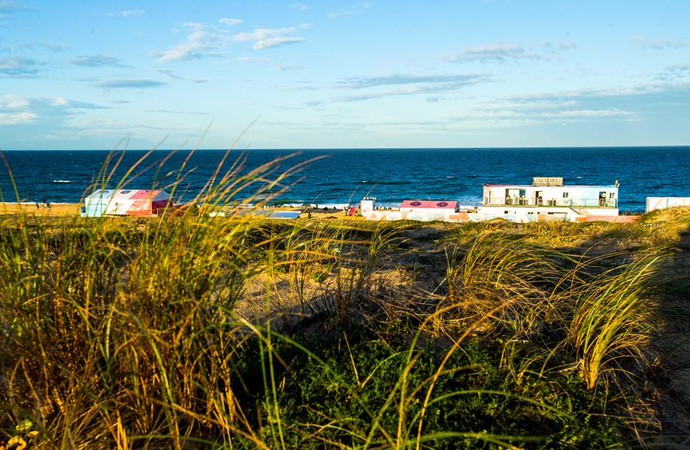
<point x="564" y="147"/>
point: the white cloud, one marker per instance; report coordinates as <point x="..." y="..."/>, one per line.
<point x="622" y="105"/>
<point x="9" y="102"/>
<point x="205" y="41"/>
<point x="660" y="44"/>
<point x="198" y="44"/>
<point x="193" y="25"/>
<point x="588" y="113"/>
<point x="358" y="9"/>
<point x="16" y="118"/>
<point x="19" y="67"/>
<point x="15" y="104"/>
<point x="127" y="13"/>
<point x="7" y="6"/>
<point x="59" y="101"/>
<point x="264" y="38"/>
<point x="263" y="44"/>
<point x="230" y="22"/>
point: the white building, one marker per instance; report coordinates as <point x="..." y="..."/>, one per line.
<point x="548" y="198"/>
<point x="654" y="203"/>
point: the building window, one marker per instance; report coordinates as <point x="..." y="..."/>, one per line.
<point x="565" y="195"/>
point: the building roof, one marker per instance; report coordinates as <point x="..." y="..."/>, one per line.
<point x="565" y="186"/>
<point x="130" y="194"/>
<point x="429" y="204"/>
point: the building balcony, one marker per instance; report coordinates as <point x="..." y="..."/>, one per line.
<point x="563" y="202"/>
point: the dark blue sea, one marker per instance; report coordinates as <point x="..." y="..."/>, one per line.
<point x="338" y="177"/>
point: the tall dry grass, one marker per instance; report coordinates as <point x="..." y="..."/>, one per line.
<point x="121" y="331"/>
<point x="612" y="319"/>
<point x="193" y="331"/>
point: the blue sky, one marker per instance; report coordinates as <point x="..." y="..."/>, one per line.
<point x="79" y="74"/>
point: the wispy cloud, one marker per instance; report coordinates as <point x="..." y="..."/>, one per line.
<point x="19" y="68"/>
<point x="12" y="102"/>
<point x="174" y="111"/>
<point x="356" y="10"/>
<point x="287" y="68"/>
<point x="16" y="118"/>
<point x="209" y="41"/>
<point x="408" y="85"/>
<point x="130" y="84"/>
<point x="197" y="45"/>
<point x="264" y="38"/>
<point x="659" y="44"/>
<point x="299" y="6"/>
<point x="391" y="80"/>
<point x="13" y="110"/>
<point x="56" y="48"/>
<point x="17" y="110"/>
<point x="494" y="53"/>
<point x="174" y="76"/>
<point x="230" y="22"/>
<point x="96" y="61"/>
<point x="253" y="60"/>
<point x="676" y="72"/>
<point x="556" y="47"/>
<point x="7" y="6"/>
<point x="679" y="68"/>
<point x="623" y="104"/>
<point x="127" y="13"/>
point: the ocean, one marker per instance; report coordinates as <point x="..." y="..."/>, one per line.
<point x="332" y="178"/>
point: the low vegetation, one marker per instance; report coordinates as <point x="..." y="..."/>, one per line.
<point x="191" y="331"/>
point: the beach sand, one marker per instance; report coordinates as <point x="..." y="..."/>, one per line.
<point x="73" y="209"/>
<point x="41" y="209"/>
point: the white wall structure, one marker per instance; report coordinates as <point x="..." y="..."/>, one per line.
<point x="367" y="205"/>
<point x="655" y="203"/>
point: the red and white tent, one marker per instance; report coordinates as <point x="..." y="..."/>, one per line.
<point x="126" y="202"/>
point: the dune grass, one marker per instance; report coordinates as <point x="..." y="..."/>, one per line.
<point x="193" y="331"/>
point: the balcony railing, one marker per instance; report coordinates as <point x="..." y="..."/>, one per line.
<point x="564" y="202"/>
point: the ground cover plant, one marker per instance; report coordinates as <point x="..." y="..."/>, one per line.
<point x="199" y="331"/>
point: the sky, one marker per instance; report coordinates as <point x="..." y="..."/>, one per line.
<point x="260" y="74"/>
